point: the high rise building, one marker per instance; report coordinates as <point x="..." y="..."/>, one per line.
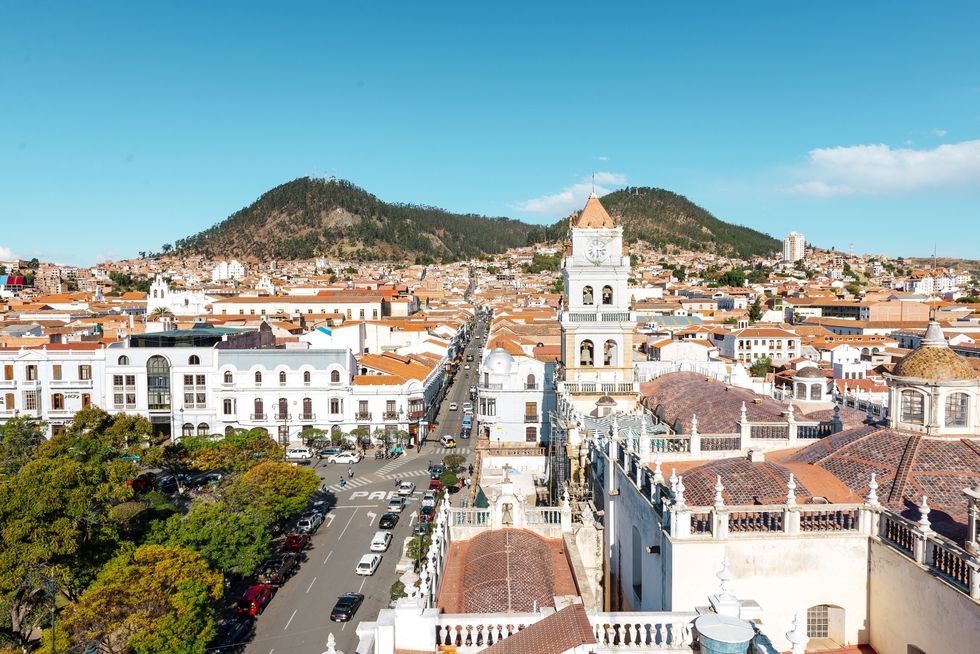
<point x="794" y="247"/>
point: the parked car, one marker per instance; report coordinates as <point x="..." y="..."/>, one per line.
<point x="344" y="457"/>
<point x="396" y="504"/>
<point x="296" y="543"/>
<point x="453" y="406"/>
<point x="347" y="604"/>
<point x="406" y="488"/>
<point x="211" y="479"/>
<point x="437" y="471"/>
<point x="427" y="513"/>
<point x="309" y="523"/>
<point x="278" y="569"/>
<point x="319" y="507"/>
<point x="467" y="407"/>
<point x="233" y="635"/>
<point x="435" y="485"/>
<point x="368" y="564"/>
<point x="420" y="529"/>
<point x="143" y="482"/>
<point x="469" y="357"/>
<point x="255" y="599"/>
<point x="464" y="432"/>
<point x="328" y="452"/>
<point x="466" y="367"/>
<point x="429" y="498"/>
<point x="448" y="441"/>
<point x="381" y="541"/>
<point x="170" y="484"/>
<point x="388" y="520"/>
<point x="299" y="453"/>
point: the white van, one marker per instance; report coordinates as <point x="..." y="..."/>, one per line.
<point x="299" y="453"/>
<point x="368" y="564"/>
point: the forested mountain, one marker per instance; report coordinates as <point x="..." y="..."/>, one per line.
<point x="663" y="218"/>
<point x="308" y="217"/>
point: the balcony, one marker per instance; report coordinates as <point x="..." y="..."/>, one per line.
<point x="491" y="387"/>
<point x="282" y="416"/>
<point x="391" y="415"/>
<point x="258" y="417"/>
<point x="363" y="416"/>
<point x="73" y="383"/>
<point x="7" y="383"/>
<point x="415" y="414"/>
<point x="532" y="387"/>
<point x="307" y="417"/>
<point x="532" y="417"/>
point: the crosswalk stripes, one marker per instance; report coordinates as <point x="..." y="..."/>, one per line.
<point x="391" y="465"/>
<point x="405" y="475"/>
<point x="452" y="450"/>
<point x="349" y="483"/>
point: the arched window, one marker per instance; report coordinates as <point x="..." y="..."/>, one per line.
<point x="531" y="434"/>
<point x="307" y="408"/>
<point x="531" y="385"/>
<point x="586" y="353"/>
<point x="282" y="377"/>
<point x="194" y="360"/>
<point x="158" y="383"/>
<point x="123" y="360"/>
<point x="229" y="378"/>
<point x="283" y="408"/>
<point x="258" y="377"/>
<point x="637" y="551"/>
<point x="816" y="393"/>
<point x="913" y="407"/>
<point x="607" y="294"/>
<point x="203" y="429"/>
<point x="801" y="391"/>
<point x="609" y="354"/>
<point x="587" y="295"/>
<point x="259" y="411"/>
<point x="957" y="410"/>
<point x="187" y="429"/>
<point x="229" y="430"/>
<point x="306" y="377"/>
<point x="334" y="376"/>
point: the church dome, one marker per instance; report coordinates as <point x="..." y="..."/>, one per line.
<point x="810" y="372"/>
<point x="934" y="361"/>
<point x="498" y="362"/>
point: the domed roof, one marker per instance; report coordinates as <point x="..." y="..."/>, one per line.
<point x="605" y="400"/>
<point x="507" y="570"/>
<point x="934" y="361"/>
<point x="499" y="362"/>
<point x="810" y="372"/>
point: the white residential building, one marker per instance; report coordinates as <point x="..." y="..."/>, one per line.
<point x="794" y="247"/>
<point x="516" y="397"/>
<point x="227" y="270"/>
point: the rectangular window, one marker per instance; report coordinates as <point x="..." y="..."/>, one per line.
<point x="229" y="407"/>
<point x="913" y="407"/>
<point x="374" y="313"/>
<point x="334" y="406"/>
<point x="195" y="393"/>
<point x="86" y="400"/>
<point x="124" y="391"/>
<point x="32" y="373"/>
<point x="362" y="314"/>
<point x="491" y="407"/>
<point x="55" y="372"/>
<point x="390" y="407"/>
<point x="8" y="402"/>
<point x="8" y="372"/>
<point x="31" y="402"/>
<point x="85" y="372"/>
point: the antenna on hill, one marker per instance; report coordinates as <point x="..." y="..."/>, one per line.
<point x="593" y="182"/>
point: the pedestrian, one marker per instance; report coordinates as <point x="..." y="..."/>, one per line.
<point x="397" y="482"/>
<point x="430" y="465"/>
<point x="350" y="472"/>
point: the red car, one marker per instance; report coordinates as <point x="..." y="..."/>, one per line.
<point x="142" y="482"/>
<point x="254" y="600"/>
<point x="435" y="485"/>
<point x="296" y="543"/>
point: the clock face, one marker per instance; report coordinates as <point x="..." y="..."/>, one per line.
<point x="596" y="251"/>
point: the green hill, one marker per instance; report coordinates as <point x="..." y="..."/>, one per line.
<point x="307" y="217"/>
<point x="663" y="219"/>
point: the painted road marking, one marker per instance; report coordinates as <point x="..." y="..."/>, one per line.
<point x="328" y="557"/>
<point x="290" y="620"/>
<point x="353" y="513"/>
<point x="311" y="583"/>
<point x="371" y="516"/>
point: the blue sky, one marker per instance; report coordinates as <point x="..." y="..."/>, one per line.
<point x="126" y="126"/>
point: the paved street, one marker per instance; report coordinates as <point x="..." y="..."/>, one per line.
<point x="298" y="618"/>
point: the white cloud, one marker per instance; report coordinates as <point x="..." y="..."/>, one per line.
<point x="602" y="158"/>
<point x="882" y="170"/>
<point x="572" y="197"/>
<point x="6" y="253"/>
<point x="939" y="132"/>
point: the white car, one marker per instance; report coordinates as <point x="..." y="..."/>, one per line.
<point x="381" y="541"/>
<point x="453" y="406"/>
<point x="406" y="488"/>
<point x="368" y="564"/>
<point x="467" y="407"/>
<point x="299" y="453"/>
<point x="396" y="504"/>
<point x="448" y="441"/>
<point x="429" y="498"/>
<point x="466" y="367"/>
<point x="344" y="457"/>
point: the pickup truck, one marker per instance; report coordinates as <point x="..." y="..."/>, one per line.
<point x="278" y="569"/>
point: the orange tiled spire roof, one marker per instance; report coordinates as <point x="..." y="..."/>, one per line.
<point x="594" y="214"/>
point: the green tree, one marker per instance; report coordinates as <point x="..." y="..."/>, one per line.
<point x="761" y="367"/>
<point x="19" y="438"/>
<point x="756" y="310"/>
<point x="733" y="277"/>
<point x="853" y="288"/>
<point x="452" y="461"/>
<point x="418" y="547"/>
<point x="152" y="600"/>
<point x="229" y="540"/>
<point x="448" y="479"/>
<point x="281" y="489"/>
<point x="680" y="274"/>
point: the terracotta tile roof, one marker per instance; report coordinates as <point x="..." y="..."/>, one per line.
<point x="594" y="215"/>
<point x="558" y="633"/>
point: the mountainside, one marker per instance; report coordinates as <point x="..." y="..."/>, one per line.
<point x="664" y="218"/>
<point x="307" y="217"/>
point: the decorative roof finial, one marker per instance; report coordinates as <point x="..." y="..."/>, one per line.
<point x="872" y="498"/>
<point x="679" y="493"/>
<point x="797" y="636"/>
<point x="673" y="477"/>
<point x="745" y="413"/>
<point x="719" y="498"/>
<point x="658" y="474"/>
<point x="790" y="416"/>
<point x="924" y="525"/>
<point x="694" y="424"/>
<point x="791" y="490"/>
<point x="725" y="576"/>
<point x="331" y="644"/>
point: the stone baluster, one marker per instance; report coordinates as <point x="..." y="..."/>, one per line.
<point x="868" y="516"/>
<point x="610" y="635"/>
<point x="644" y="440"/>
<point x="744" y="429"/>
<point x="923" y="531"/>
<point x="792" y="428"/>
<point x="791" y="516"/>
<point x="566" y="513"/>
<point x="680" y="526"/>
<point x="695" y="435"/>
<point x="719" y="517"/>
<point x="797" y="636"/>
<point x="658" y="473"/>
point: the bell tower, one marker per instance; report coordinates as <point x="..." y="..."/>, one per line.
<point x="596" y="321"/>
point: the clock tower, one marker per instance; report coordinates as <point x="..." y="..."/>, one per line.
<point x="596" y="321"/>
